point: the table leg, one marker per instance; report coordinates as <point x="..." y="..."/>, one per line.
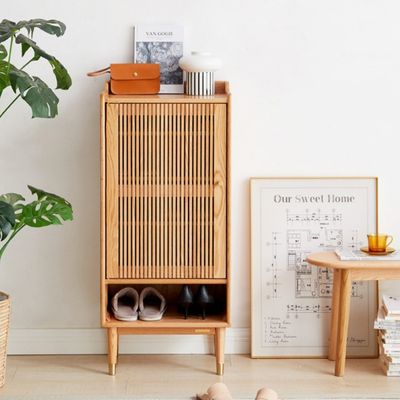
<point x="343" y="322"/>
<point x="219" y="342"/>
<point x="334" y="314"/>
<point x="112" y="350"/>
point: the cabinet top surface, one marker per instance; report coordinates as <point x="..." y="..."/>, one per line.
<point x="331" y="260"/>
<point x="222" y="95"/>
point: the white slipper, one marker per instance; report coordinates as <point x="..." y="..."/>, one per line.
<point x="125" y="304"/>
<point x="266" y="394"/>
<point x="152" y="305"/>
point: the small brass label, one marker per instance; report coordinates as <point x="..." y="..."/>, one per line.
<point x="202" y="330"/>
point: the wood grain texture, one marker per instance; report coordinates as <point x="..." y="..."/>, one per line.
<point x="81" y="377"/>
<point x="343" y="322"/>
<point x="219" y="345"/>
<point x="112" y="349"/>
<point x="228" y="197"/>
<point x="167" y="331"/>
<point x="112" y="160"/>
<point x="331" y="260"/>
<point x="166" y="183"/>
<point x="165" y="206"/>
<point x="344" y="273"/>
<point x="4" y="324"/>
<point x="219" y="205"/>
<point x="171" y="320"/>
<point x="335" y="314"/>
<point x="170" y="281"/>
<point x="103" y="292"/>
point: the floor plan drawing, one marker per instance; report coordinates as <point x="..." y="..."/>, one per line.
<point x="295" y="297"/>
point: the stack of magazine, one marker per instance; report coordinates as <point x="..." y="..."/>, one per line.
<point x="388" y="324"/>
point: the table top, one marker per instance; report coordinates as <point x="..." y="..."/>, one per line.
<point x="331" y="260"/>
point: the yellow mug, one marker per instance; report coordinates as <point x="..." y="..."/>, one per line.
<point x="379" y="243"/>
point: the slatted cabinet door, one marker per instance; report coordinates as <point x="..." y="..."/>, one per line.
<point x="166" y="190"/>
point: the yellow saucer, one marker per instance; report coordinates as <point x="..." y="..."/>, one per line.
<point x="378" y="253"/>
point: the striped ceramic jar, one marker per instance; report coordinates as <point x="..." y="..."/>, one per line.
<point x="199" y="69"/>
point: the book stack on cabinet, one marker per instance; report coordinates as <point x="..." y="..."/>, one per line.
<point x="388" y="324"/>
<point x="165" y="209"/>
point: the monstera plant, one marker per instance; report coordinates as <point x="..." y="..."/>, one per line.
<point x="47" y="209"/>
<point x="33" y="90"/>
<point x="17" y="83"/>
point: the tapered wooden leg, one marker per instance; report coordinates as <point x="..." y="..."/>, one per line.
<point x="112" y="350"/>
<point x="219" y="344"/>
<point x="343" y="322"/>
<point x="334" y="314"/>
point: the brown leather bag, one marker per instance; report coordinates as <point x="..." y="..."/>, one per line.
<point x="132" y="78"/>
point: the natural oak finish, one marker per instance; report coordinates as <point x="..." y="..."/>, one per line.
<point x="342" y="322"/>
<point x="219" y="343"/>
<point x="335" y="313"/>
<point x="4" y="327"/>
<point x="165" y="220"/>
<point x="112" y="350"/>
<point x="344" y="273"/>
<point x="180" y="377"/>
<point x="165" y="209"/>
<point x="171" y="320"/>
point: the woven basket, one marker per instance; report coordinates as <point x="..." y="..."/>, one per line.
<point x="4" y="320"/>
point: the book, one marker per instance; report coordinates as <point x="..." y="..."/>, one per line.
<point x="389" y="372"/>
<point x="381" y="322"/>
<point x="389" y="352"/>
<point x="391" y="347"/>
<point x="391" y="305"/>
<point x="347" y="254"/>
<point x="389" y="365"/>
<point x="161" y="44"/>
<point x="390" y="359"/>
<point x="390" y="369"/>
<point x="390" y="334"/>
<point x="389" y="340"/>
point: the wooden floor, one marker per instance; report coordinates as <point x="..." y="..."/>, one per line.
<point x="182" y="376"/>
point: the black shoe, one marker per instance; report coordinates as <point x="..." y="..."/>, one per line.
<point x="185" y="299"/>
<point x="204" y="300"/>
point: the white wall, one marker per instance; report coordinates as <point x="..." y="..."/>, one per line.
<point x="316" y="91"/>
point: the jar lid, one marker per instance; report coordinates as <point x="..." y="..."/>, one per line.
<point x="200" y="61"/>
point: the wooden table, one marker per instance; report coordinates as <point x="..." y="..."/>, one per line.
<point x="344" y="272"/>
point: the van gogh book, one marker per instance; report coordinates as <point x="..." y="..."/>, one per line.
<point x="161" y="44"/>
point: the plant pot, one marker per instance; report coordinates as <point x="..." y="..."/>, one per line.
<point x="4" y="322"/>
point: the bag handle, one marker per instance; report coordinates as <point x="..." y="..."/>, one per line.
<point x="99" y="72"/>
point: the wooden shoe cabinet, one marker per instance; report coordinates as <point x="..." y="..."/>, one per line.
<point x="165" y="209"/>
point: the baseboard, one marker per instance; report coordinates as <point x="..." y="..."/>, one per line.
<point x="93" y="341"/>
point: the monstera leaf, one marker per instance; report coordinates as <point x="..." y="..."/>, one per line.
<point x="42" y="195"/>
<point x="63" y="79"/>
<point x="12" y="198"/>
<point x="15" y="201"/>
<point x="7" y="219"/>
<point x="47" y="209"/>
<point x="33" y="90"/>
<point x="4" y="75"/>
<point x="6" y="29"/>
<point x="51" y="26"/>
<point x="3" y="52"/>
<point x="36" y="93"/>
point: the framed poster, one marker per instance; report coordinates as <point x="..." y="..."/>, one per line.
<point x="291" y="300"/>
